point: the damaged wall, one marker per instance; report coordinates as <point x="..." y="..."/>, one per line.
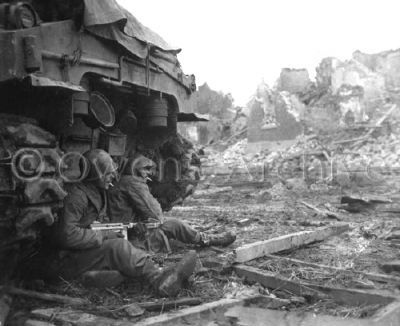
<point x="386" y="63"/>
<point x="272" y="118"/>
<point x="293" y="80"/>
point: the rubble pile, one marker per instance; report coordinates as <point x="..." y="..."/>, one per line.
<point x="349" y="119"/>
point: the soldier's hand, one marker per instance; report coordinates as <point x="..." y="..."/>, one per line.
<point x="112" y="235"/>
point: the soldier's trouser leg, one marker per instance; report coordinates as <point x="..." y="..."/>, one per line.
<point x="179" y="230"/>
<point x="115" y="254"/>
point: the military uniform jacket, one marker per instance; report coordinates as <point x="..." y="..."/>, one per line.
<point x="131" y="200"/>
<point x="84" y="204"/>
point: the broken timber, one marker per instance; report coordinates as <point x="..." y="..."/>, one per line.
<point x="353" y="297"/>
<point x="247" y="311"/>
<point x="77" y="317"/>
<point x="370" y="276"/>
<point x="323" y="212"/>
<point x="261" y="248"/>
<point x="273" y="281"/>
<point x="45" y="296"/>
<point x="213" y="310"/>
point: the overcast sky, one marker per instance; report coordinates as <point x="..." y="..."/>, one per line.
<point x="234" y="44"/>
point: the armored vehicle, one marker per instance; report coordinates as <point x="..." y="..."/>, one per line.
<point x="77" y="75"/>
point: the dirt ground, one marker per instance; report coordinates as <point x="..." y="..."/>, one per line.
<point x="258" y="211"/>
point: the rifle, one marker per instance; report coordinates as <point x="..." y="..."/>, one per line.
<point x="122" y="227"/>
<point x="116" y="227"/>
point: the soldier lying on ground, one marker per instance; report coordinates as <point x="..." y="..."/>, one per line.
<point x="131" y="201"/>
<point x="84" y="249"/>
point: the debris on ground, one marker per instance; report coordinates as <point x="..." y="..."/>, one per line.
<point x="317" y="221"/>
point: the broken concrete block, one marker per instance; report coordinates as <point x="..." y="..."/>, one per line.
<point x="393" y="266"/>
<point x="297" y="184"/>
<point x="134" y="310"/>
<point x="263" y="197"/>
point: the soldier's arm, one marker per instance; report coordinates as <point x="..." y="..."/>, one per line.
<point x="71" y="234"/>
<point x="144" y="203"/>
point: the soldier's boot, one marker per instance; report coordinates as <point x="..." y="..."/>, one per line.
<point x="222" y="239"/>
<point x="169" y="281"/>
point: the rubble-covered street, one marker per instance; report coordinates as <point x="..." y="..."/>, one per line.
<point x="130" y="195"/>
<point x="355" y="259"/>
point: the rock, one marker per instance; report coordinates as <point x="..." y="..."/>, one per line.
<point x="298" y="300"/>
<point x="296" y="184"/>
<point x="263" y="197"/>
<point x="134" y="310"/>
<point x="393" y="266"/>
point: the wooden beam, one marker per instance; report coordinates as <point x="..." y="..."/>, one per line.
<point x="199" y="315"/>
<point x="77" y="317"/>
<point x="351" y="297"/>
<point x="324" y="212"/>
<point x="388" y="315"/>
<point x="243" y="315"/>
<point x="290" y="241"/>
<point x="371" y="276"/>
<point x="45" y="296"/>
<point x="80" y="318"/>
<point x="273" y="281"/>
<point x="169" y="304"/>
<point x="32" y="322"/>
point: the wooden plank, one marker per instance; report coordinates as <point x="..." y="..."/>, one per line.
<point x="45" y="296"/>
<point x="77" y="317"/>
<point x="199" y="315"/>
<point x="370" y="276"/>
<point x="323" y="212"/>
<point x="351" y="297"/>
<point x="273" y="281"/>
<point x="388" y="315"/>
<point x="32" y="322"/>
<point x="169" y="304"/>
<point x="290" y="241"/>
<point x="80" y="318"/>
<point x="262" y="317"/>
<point x="198" y="312"/>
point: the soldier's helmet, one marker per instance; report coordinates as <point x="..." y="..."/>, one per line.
<point x="100" y="164"/>
<point x="138" y="162"/>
